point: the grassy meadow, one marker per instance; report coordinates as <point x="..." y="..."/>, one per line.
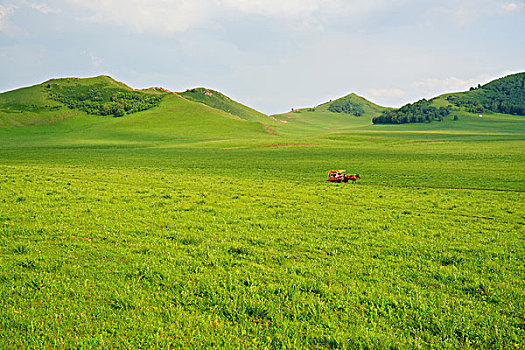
<point x="187" y="227"/>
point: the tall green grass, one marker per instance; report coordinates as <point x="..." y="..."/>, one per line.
<point x="185" y="227"/>
<point x="222" y="243"/>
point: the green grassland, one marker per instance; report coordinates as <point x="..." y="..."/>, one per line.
<point x="189" y="226"/>
<point x="30" y="106"/>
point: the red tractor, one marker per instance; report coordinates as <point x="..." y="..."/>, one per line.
<point x="339" y="176"/>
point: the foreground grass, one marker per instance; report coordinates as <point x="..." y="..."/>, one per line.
<point x="229" y="244"/>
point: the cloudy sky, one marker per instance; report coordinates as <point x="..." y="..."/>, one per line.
<point x="269" y="54"/>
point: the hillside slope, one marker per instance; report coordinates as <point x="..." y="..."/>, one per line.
<point x="175" y="121"/>
<point x="505" y="96"/>
<point x="350" y="111"/>
<point x="30" y="106"/>
<point x="351" y="104"/>
<point x="222" y="102"/>
<point x="102" y="110"/>
<point x="58" y="99"/>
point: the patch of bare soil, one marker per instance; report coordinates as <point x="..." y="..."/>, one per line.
<point x="268" y="129"/>
<point x="279" y="120"/>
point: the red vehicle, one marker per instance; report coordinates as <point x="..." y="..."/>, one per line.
<point x="339" y="176"/>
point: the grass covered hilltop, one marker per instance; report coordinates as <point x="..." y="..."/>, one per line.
<point x="152" y="219"/>
<point x="505" y="95"/>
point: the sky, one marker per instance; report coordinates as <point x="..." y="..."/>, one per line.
<point x="272" y="55"/>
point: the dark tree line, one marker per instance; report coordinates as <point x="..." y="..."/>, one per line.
<point x="345" y="106"/>
<point x="101" y="100"/>
<point x="17" y="107"/>
<point x="418" y="112"/>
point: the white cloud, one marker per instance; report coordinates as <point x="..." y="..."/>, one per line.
<point x="447" y="84"/>
<point x="159" y="16"/>
<point x="275" y="8"/>
<point x="308" y="9"/>
<point x="42" y="8"/>
<point x="95" y="60"/>
<point x="509" y="8"/>
<point x="464" y="16"/>
<point x="386" y="93"/>
<point x="460" y="13"/>
<point x="162" y="16"/>
<point x="5" y="12"/>
<point x="451" y="84"/>
<point x="467" y="12"/>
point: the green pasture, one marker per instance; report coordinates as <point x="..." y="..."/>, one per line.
<point x="186" y="226"/>
<point x="224" y="243"/>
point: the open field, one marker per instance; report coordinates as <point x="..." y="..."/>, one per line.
<point x="163" y="241"/>
<point x="200" y="223"/>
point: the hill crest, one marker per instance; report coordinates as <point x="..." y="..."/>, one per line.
<point x="504" y="95"/>
<point x="220" y="101"/>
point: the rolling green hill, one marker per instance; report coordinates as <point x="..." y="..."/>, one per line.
<point x="351" y="111"/>
<point x="102" y="96"/>
<point x="505" y="95"/>
<point x="85" y="109"/>
<point x="222" y="102"/>
<point x="58" y="99"/>
<point x="175" y="120"/>
<point x="101" y="110"/>
<point x="351" y="104"/>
